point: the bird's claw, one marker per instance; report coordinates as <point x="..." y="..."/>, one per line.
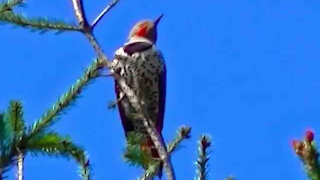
<point x="112" y="105"/>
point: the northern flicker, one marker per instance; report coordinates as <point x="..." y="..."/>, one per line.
<point x="142" y="66"/>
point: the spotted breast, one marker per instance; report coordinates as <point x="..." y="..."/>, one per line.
<point x="144" y="72"/>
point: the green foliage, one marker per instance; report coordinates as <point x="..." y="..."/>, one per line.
<point x="85" y="170"/>
<point x="36" y="24"/>
<point x="311" y="160"/>
<point x="183" y="133"/>
<point x="5" y="131"/>
<point x="65" y="100"/>
<point x="5" y="144"/>
<point x="49" y="144"/>
<point x="203" y="158"/>
<point x="7" y="15"/>
<point x="15" y="117"/>
<point x="151" y="171"/>
<point x="11" y="132"/>
<point x="308" y="154"/>
<point x="134" y="153"/>
<point x="8" y="5"/>
<point x="37" y="139"/>
<point x="53" y="144"/>
<point x="14" y="140"/>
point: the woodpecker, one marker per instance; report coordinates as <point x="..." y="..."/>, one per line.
<point x="142" y="67"/>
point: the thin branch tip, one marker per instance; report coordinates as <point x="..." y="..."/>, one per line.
<point x="203" y="158"/>
<point x="104" y="11"/>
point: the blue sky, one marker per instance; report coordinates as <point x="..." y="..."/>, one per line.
<point x="245" y="72"/>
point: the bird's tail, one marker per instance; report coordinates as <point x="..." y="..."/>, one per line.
<point x="149" y="146"/>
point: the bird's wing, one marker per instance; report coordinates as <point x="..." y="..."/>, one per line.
<point x="162" y="95"/>
<point x="122" y="101"/>
<point x="122" y="105"/>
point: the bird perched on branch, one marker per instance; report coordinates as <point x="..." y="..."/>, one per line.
<point x="142" y="66"/>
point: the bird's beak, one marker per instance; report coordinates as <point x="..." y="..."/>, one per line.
<point x="158" y="20"/>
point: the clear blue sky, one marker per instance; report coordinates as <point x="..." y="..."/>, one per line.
<point x="245" y="72"/>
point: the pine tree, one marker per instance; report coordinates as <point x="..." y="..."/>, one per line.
<point x="17" y="139"/>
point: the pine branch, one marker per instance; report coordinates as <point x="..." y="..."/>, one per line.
<point x="65" y="100"/>
<point x="5" y="144"/>
<point x="309" y="155"/>
<point x="8" y="5"/>
<point x="150" y="172"/>
<point x="203" y="158"/>
<point x="53" y="144"/>
<point x="14" y="144"/>
<point x="183" y="133"/>
<point x="48" y="144"/>
<point x="85" y="169"/>
<point x="36" y="24"/>
<point x="134" y="154"/>
<point x="11" y="133"/>
<point x="5" y="131"/>
<point x="13" y="120"/>
<point x="134" y="101"/>
<point x="15" y="113"/>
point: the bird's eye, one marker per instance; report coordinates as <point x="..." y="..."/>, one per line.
<point x="141" y="26"/>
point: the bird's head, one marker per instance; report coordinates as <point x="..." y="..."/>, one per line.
<point x="145" y="29"/>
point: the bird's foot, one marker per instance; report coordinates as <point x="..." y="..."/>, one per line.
<point x="112" y="105"/>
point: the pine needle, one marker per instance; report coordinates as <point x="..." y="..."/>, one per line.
<point x="65" y="100"/>
<point x="203" y="158"/>
<point x="40" y="24"/>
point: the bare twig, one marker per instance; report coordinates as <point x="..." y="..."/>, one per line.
<point x="104" y="11"/>
<point x="101" y="56"/>
<point x="159" y="144"/>
<point x="20" y="164"/>
<point x="80" y="14"/>
<point x="133" y="99"/>
<point x="87" y="30"/>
